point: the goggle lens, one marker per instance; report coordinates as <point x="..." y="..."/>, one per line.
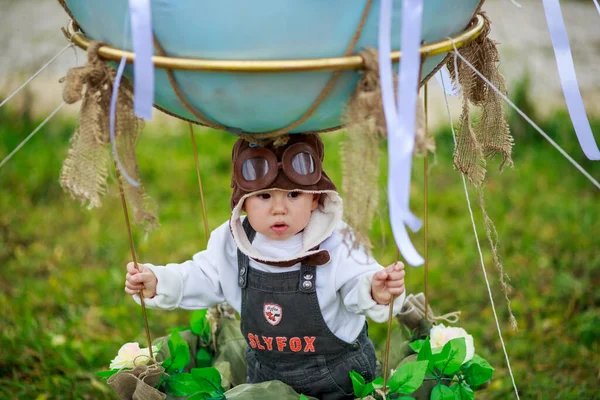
<point x="303" y="163"/>
<point x="254" y="168"/>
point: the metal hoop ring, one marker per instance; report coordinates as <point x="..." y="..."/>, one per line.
<point x="261" y="66"/>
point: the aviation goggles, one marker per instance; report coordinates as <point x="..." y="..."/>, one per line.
<point x="257" y="167"/>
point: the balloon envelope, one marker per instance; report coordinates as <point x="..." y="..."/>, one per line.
<point x="262" y="30"/>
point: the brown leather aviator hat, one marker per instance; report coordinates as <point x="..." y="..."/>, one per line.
<point x="296" y="165"/>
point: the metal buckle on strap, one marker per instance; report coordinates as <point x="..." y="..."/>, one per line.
<point x="308" y="276"/>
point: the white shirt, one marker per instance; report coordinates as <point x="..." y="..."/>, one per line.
<point x="343" y="285"/>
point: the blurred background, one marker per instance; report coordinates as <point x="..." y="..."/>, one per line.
<point x="63" y="311"/>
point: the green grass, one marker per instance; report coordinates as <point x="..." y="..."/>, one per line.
<point x="64" y="314"/>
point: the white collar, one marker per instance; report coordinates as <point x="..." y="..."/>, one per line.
<point x="278" y="248"/>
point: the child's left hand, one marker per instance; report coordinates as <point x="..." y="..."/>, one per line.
<point x="388" y="283"/>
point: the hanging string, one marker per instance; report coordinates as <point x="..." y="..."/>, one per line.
<point x="34" y="75"/>
<point x="426" y="201"/>
<point x="8" y="157"/>
<point x="526" y="118"/>
<point x="487" y="282"/>
<point x="76" y="55"/>
<point x="134" y="257"/>
<point x="386" y="356"/>
<point x="206" y="233"/>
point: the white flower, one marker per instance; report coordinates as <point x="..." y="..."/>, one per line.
<point x="440" y="335"/>
<point x="130" y="355"/>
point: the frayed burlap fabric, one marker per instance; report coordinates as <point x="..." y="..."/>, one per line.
<point x="138" y="383"/>
<point x="85" y="171"/>
<point x="490" y="134"/>
<point x="366" y="130"/>
<point x="360" y="152"/>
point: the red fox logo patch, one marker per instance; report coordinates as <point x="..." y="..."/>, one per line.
<point x="273" y="313"/>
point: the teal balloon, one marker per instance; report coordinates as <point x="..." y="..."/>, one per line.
<point x="262" y="30"/>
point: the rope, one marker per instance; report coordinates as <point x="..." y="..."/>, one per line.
<point x="526" y="118"/>
<point x="387" y="340"/>
<point x="8" y="157"/>
<point x="255" y="137"/>
<point x="206" y="233"/>
<point x="205" y="120"/>
<point x="487" y="282"/>
<point x="390" y="316"/>
<point x="34" y="75"/>
<point x="426" y="201"/>
<point x="63" y="3"/>
<point x="134" y="257"/>
<point x="451" y="317"/>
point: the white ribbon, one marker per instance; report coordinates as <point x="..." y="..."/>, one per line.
<point x="143" y="69"/>
<point x="445" y="82"/>
<point x="597" y="6"/>
<point x="568" y="79"/>
<point x="400" y="118"/>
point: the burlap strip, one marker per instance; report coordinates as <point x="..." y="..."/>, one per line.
<point x="86" y="169"/>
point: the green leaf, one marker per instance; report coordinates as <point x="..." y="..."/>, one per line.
<point x="409" y="377"/>
<point x="462" y="391"/>
<point x="368" y="389"/>
<point x="377" y="383"/>
<point x="303" y="397"/>
<point x="456" y="350"/>
<point x="441" y="392"/>
<point x="477" y="371"/>
<point x="106" y="374"/>
<point x="203" y="358"/>
<point x="440" y="357"/>
<point x="180" y="354"/>
<point x="208" y="377"/>
<point x="183" y="385"/>
<point x="416" y="345"/>
<point x="361" y="389"/>
<point x="199" y="324"/>
<point x="406" y="398"/>
<point x="425" y="354"/>
<point x="358" y="383"/>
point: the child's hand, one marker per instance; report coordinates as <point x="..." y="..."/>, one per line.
<point x="388" y="283"/>
<point x="144" y="280"/>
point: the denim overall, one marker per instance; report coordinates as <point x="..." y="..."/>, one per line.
<point x="288" y="339"/>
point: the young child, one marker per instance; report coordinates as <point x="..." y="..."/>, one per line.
<point x="302" y="294"/>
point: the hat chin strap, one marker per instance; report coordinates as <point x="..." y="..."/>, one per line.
<point x="323" y="222"/>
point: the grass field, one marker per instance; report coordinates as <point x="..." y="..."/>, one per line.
<point x="64" y="314"/>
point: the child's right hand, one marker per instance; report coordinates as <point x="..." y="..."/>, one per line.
<point x="144" y="280"/>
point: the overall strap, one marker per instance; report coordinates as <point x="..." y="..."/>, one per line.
<point x="243" y="260"/>
<point x="308" y="277"/>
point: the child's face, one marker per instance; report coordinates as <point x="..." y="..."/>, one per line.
<point x="280" y="214"/>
